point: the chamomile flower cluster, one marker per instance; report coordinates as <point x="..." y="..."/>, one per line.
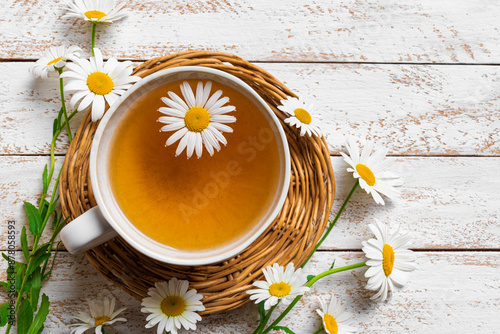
<point x="281" y="285"/>
<point x="102" y="313"/>
<point x="300" y="115"/>
<point x="335" y="320"/>
<point x="372" y="170"/>
<point x="172" y="306"/>
<point x="199" y="120"/>
<point x="95" y="11"/>
<point x="54" y="58"/>
<point x="95" y="83"/>
<point x="389" y="259"/>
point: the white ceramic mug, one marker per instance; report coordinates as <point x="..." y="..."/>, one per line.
<point x="106" y="220"/>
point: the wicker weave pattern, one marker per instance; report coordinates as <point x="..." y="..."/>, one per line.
<point x="291" y="238"/>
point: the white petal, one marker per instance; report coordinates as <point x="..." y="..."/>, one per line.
<point x="85" y="103"/>
<point x="199" y="95"/>
<point x="213" y="99"/>
<point x="199" y="144"/>
<point x="176" y="136"/>
<point x="187" y="92"/>
<point x="173" y="127"/>
<point x="97" y="108"/>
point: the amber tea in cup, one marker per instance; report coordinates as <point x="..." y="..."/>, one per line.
<point x="193" y="204"/>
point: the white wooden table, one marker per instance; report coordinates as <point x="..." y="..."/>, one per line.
<point x="420" y="77"/>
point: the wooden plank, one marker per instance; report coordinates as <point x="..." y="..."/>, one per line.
<point x="450" y="292"/>
<point x="295" y="30"/>
<point x="413" y="109"/>
<point x="447" y="203"/>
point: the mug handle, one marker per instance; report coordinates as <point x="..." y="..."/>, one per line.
<point x="87" y="231"/>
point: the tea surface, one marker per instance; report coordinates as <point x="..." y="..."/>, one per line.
<point x="193" y="204"/>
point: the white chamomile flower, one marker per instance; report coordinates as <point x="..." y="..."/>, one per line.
<point x="335" y="320"/>
<point x="389" y="259"/>
<point x="54" y="57"/>
<point x="280" y="285"/>
<point x="95" y="11"/>
<point x="172" y="306"/>
<point x="102" y="313"/>
<point x="94" y="82"/>
<point x="199" y="120"/>
<point x="300" y="115"/>
<point x="371" y="169"/>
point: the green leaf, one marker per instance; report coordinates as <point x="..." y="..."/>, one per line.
<point x="310" y="277"/>
<point x="5" y="285"/>
<point x="59" y="226"/>
<point x="4" y="313"/>
<point x="53" y="261"/>
<point x="24" y="243"/>
<point x="333" y="264"/>
<point x="57" y="219"/>
<point x="34" y="217"/>
<point x="45" y="209"/>
<point x="36" y="284"/>
<point x="18" y="272"/>
<point x="20" y="269"/>
<point x="59" y="116"/>
<point x="24" y="317"/>
<point x="40" y="317"/>
<point x="283" y="328"/>
<point x="42" y="249"/>
<point x="37" y="262"/>
<point x="55" y="127"/>
<point x="262" y="311"/>
<point x="45" y="180"/>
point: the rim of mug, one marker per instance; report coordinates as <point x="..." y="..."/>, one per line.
<point x="247" y="238"/>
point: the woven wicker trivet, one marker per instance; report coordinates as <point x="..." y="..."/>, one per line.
<point x="291" y="237"/>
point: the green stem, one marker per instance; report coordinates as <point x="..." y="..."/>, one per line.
<point x="319" y="330"/>
<point x="44" y="223"/>
<point x="53" y="144"/>
<point x="325" y="235"/>
<point x="61" y="88"/>
<point x="94" y="25"/>
<point x="309" y="284"/>
<point x="266" y="319"/>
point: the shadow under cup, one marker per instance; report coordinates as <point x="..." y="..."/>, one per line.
<point x="232" y="158"/>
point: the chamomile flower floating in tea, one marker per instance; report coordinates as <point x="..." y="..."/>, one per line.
<point x="94" y="82"/>
<point x="371" y="170"/>
<point x="95" y="11"/>
<point x="390" y="260"/>
<point x="280" y="285"/>
<point x="335" y="320"/>
<point x="102" y="313"/>
<point x="172" y="306"/>
<point x="54" y="57"/>
<point x="199" y="120"/>
<point x="300" y="115"/>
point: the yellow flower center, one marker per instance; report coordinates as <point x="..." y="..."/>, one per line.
<point x="280" y="289"/>
<point x="366" y="174"/>
<point x="388" y="259"/>
<point x="94" y="14"/>
<point x="197" y="119"/>
<point x="330" y="324"/>
<point x="99" y="83"/>
<point x="100" y="320"/>
<point x="54" y="61"/>
<point x="302" y="115"/>
<point x="173" y="306"/>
